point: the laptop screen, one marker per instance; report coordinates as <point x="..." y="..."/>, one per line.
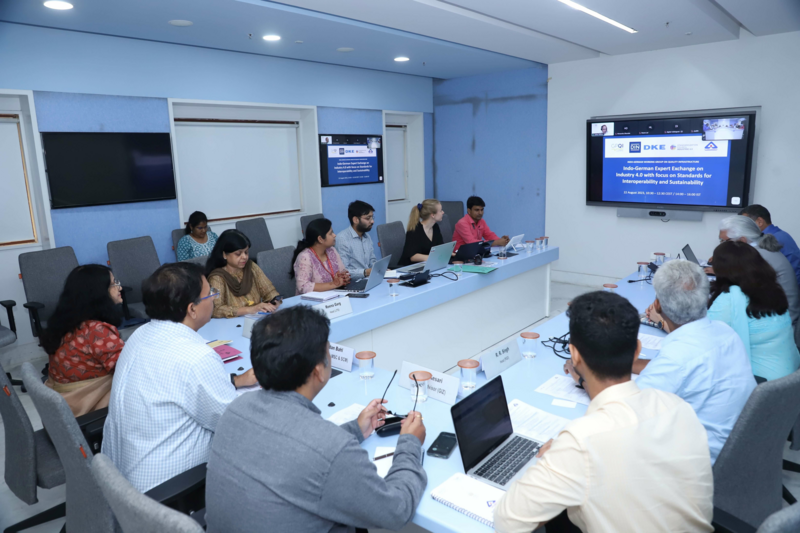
<point x="482" y="422"/>
<point x="689" y="254"/>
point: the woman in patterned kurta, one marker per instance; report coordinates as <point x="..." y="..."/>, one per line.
<point x="316" y="265"/>
<point x="82" y="338"/>
<point x="198" y="241"/>
<point x="242" y="285"/>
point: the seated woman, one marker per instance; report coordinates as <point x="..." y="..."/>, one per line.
<point x="316" y="265"/>
<point x="747" y="297"/>
<point x="198" y="241"/>
<point x="82" y="339"/>
<point x="243" y="288"/>
<point x="422" y="232"/>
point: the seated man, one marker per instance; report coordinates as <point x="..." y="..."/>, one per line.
<point x="277" y="464"/>
<point x="169" y="387"/>
<point x="472" y="228"/>
<point x="636" y="461"/>
<point x="760" y="215"/>
<point x="702" y="361"/>
<point x="354" y="243"/>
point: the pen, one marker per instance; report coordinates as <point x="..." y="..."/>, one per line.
<point x="384" y="456"/>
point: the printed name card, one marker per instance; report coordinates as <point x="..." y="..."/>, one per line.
<point x="335" y="308"/>
<point x="442" y="387"/>
<point x="342" y="357"/>
<point x="499" y="358"/>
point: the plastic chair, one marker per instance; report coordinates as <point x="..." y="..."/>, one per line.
<point x="276" y="265"/>
<point x="304" y="221"/>
<point x="748" y="473"/>
<point x="43" y="276"/>
<point x="8" y="335"/>
<point x="392" y="239"/>
<point x="177" y="234"/>
<point x="135" y="512"/>
<point x="256" y="230"/>
<point x="133" y="261"/>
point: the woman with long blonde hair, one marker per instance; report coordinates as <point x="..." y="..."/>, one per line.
<point x="422" y="232"/>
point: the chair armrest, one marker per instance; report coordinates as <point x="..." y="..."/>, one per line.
<point x="125" y="311"/>
<point x="199" y="517"/>
<point x="9" y="304"/>
<point x="184" y="492"/>
<point x="91" y="425"/>
<point x="33" y="310"/>
<point x="94" y="416"/>
<point x="725" y="522"/>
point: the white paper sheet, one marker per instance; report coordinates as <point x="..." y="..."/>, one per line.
<point x="651" y="342"/>
<point x="534" y="423"/>
<point x="383" y="465"/>
<point x="347" y="414"/>
<point x="564" y="387"/>
<point x="564" y="403"/>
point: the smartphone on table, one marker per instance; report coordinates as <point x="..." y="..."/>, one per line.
<point x="443" y="446"/>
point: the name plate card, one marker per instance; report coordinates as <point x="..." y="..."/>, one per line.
<point x="499" y="358"/>
<point x="342" y="357"/>
<point x="442" y="387"/>
<point x="335" y="308"/>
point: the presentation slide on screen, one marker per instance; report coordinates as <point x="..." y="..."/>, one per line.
<point x="672" y="169"/>
<point x="352" y="164"/>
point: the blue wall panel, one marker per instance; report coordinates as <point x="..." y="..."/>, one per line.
<point x="89" y="229"/>
<point x="427" y="124"/>
<point x="334" y="120"/>
<point x="490" y="140"/>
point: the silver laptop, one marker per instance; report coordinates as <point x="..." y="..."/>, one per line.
<point x="375" y="278"/>
<point x="689" y="255"/>
<point x="515" y="241"/>
<point x="437" y="259"/>
<point x="490" y="450"/>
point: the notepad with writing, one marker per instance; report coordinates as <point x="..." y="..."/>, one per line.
<point x="470" y="497"/>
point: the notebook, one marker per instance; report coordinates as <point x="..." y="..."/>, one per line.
<point x="470" y="497"/>
<point x="321" y="296"/>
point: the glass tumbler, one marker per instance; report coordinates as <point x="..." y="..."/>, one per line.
<point x="393" y="286"/>
<point x="643" y="270"/>
<point x="530" y="344"/>
<point x="366" y="364"/>
<point x="469" y="374"/>
<point x="529" y="246"/>
<point x="539" y="244"/>
<point x="502" y="253"/>
<point x="545" y="241"/>
<point x="457" y="267"/>
<point x="610" y="287"/>
<point x="659" y="258"/>
<point x="419" y="388"/>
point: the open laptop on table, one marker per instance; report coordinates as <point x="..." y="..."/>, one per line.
<point x="437" y="260"/>
<point x="689" y="255"/>
<point x="375" y="278"/>
<point x="490" y="450"/>
<point x="467" y="252"/>
<point x="515" y="241"/>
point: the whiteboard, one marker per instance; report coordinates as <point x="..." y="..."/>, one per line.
<point x="237" y="170"/>
<point x="395" y="145"/>
<point x="16" y="220"/>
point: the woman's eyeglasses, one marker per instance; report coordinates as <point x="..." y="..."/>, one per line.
<point x="116" y="284"/>
<point x="213" y="294"/>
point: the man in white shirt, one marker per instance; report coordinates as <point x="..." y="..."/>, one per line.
<point x="637" y="461"/>
<point x="702" y="361"/>
<point x="170" y="388"/>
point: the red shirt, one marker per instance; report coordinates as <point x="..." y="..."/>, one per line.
<point x="91" y="351"/>
<point x="467" y="231"/>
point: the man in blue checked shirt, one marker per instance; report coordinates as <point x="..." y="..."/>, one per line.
<point x="354" y="243"/>
<point x="170" y="388"/>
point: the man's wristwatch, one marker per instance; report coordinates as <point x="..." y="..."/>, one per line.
<point x="581" y="381"/>
<point x="233" y="380"/>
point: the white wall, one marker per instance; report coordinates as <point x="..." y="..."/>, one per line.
<point x="415" y="146"/>
<point x="594" y="244"/>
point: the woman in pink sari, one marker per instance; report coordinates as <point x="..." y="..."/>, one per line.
<point x="316" y="264"/>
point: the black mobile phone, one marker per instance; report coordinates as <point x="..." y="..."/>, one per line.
<point x="358" y="295"/>
<point x="443" y="446"/>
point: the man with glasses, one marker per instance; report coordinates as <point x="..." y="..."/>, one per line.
<point x="354" y="243"/>
<point x="170" y="389"/>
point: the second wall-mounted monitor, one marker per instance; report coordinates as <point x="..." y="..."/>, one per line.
<point x="350" y="159"/>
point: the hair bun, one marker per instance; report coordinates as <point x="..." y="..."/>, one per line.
<point x="419" y="207"/>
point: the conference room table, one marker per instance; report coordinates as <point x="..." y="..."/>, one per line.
<point x="520" y="382"/>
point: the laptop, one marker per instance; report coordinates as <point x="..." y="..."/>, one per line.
<point x="467" y="252"/>
<point x="689" y="255"/>
<point x="375" y="278"/>
<point x="515" y="241"/>
<point x="437" y="260"/>
<point x="490" y="450"/>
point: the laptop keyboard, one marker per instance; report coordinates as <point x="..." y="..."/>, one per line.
<point x="420" y="269"/>
<point x="504" y="465"/>
<point x="355" y="286"/>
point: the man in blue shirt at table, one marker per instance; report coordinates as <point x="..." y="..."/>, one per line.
<point x="760" y="215"/>
<point x="354" y="243"/>
<point x="277" y="465"/>
<point x="702" y="361"/>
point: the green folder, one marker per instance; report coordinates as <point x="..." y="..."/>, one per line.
<point x="476" y="269"/>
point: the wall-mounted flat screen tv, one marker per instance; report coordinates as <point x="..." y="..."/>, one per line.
<point x="697" y="161"/>
<point x="86" y="169"/>
<point x="350" y="159"/>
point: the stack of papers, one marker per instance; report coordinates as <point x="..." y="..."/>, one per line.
<point x="347" y="414"/>
<point x="650" y="342"/>
<point x="535" y="423"/>
<point x="321" y="296"/>
<point x="383" y="465"/>
<point x="563" y="386"/>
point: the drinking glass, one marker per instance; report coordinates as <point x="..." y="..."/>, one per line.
<point x="393" y="286"/>
<point x="539" y="244"/>
<point x="529" y="246"/>
<point x="366" y="364"/>
<point x="545" y="241"/>
<point x="530" y="344"/>
<point x="419" y="388"/>
<point x="469" y="374"/>
<point x="659" y="258"/>
<point x="457" y="268"/>
<point x="643" y="270"/>
<point x="501" y="253"/>
<point x="610" y="287"/>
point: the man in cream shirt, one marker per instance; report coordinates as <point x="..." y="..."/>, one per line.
<point x="637" y="461"/>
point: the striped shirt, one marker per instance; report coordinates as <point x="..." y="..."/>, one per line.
<point x="356" y="252"/>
